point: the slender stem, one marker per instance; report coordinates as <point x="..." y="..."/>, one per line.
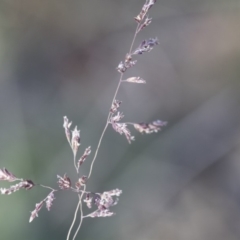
<point x="74" y="219"/>
<point x="55" y="190"/>
<point x="74" y="159"/>
<point x="134" y="38"/>
<point x="104" y="130"/>
<point x="81" y="212"/>
<point x="79" y="190"/>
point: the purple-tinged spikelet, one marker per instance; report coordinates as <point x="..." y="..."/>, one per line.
<point x="84" y="156"/>
<point x="154" y="126"/>
<point x="64" y="182"/>
<point x="7" y="176"/>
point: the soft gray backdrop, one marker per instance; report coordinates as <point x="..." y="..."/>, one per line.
<point x="59" y="58"/>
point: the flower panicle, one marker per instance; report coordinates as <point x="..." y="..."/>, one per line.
<point x="75" y="143"/>
<point x="134" y="80"/>
<point x="81" y="182"/>
<point x="144" y="24"/>
<point x="73" y="137"/>
<point x="6" y="175"/>
<point x="115" y="106"/>
<point x="121" y="127"/>
<point x="84" y="156"/>
<point x="146" y="46"/>
<point x="64" y="182"/>
<point x="103" y="202"/>
<point x="101" y="213"/>
<point x="148" y="4"/>
<point x="123" y="66"/>
<point x="66" y="126"/>
<point x="49" y="200"/>
<point x="151" y="127"/>
<point x="38" y="206"/>
<point x="25" y="184"/>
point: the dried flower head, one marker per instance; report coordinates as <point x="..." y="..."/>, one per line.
<point x="75" y="143"/>
<point x="148" y="4"/>
<point x="146" y="46"/>
<point x="88" y="200"/>
<point x="66" y="126"/>
<point x="101" y="213"/>
<point x="7" y="176"/>
<point x="123" y="66"/>
<point x="106" y="199"/>
<point x="146" y="23"/>
<point x="49" y="200"/>
<point x="117" y="117"/>
<point x="134" y="80"/>
<point x="115" y="192"/>
<point x="34" y="213"/>
<point x="84" y="156"/>
<point x="64" y="182"/>
<point x="121" y="127"/>
<point x="128" y="57"/>
<point x="103" y="202"/>
<point x="75" y="140"/>
<point x="81" y="181"/>
<point x="154" y="126"/>
<point x="115" y="106"/>
<point x="27" y="184"/>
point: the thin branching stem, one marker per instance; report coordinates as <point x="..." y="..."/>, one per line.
<point x="74" y="160"/>
<point x="74" y="219"/>
<point x="104" y="130"/>
<point x="134" y="38"/>
<point x="81" y="212"/>
<point x="96" y="152"/>
<point x="79" y="190"/>
<point x="55" y="190"/>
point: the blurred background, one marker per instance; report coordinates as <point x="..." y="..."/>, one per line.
<point x="59" y="58"/>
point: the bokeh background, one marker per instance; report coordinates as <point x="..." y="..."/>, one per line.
<point x="59" y="58"/>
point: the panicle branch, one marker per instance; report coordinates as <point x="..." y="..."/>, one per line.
<point x="146" y="46"/>
<point x="7" y="176"/>
<point x="140" y="17"/>
<point x="103" y="202"/>
<point x="48" y="200"/>
<point x="151" y="127"/>
<point x="134" y="80"/>
<point x="83" y="157"/>
<point x="73" y="139"/>
<point x="64" y="182"/>
<point x="27" y="184"/>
